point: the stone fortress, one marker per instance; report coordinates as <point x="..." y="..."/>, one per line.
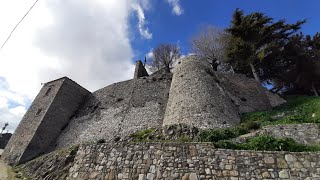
<point x="65" y="114"/>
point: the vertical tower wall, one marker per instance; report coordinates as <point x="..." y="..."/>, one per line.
<point x="247" y="94"/>
<point x="140" y="71"/>
<point x="197" y="99"/>
<point x="49" y="113"/>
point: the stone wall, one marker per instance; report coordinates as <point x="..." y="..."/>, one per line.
<point x="275" y="99"/>
<point x="193" y="161"/>
<point x="140" y="71"/>
<point x="49" y="113"/>
<point x="197" y="98"/>
<point x="168" y="161"/>
<point x="246" y="93"/>
<point x="118" y="110"/>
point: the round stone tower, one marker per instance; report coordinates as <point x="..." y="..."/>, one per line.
<point x="197" y="98"/>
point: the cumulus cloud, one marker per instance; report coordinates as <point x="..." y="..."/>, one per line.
<point x="9" y="113"/>
<point x="176" y="7"/>
<point x="12" y="116"/>
<point x="91" y="41"/>
<point x="144" y="31"/>
<point x="87" y="41"/>
<point x="150" y="55"/>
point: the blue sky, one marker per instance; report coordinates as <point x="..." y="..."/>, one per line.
<point x="96" y="42"/>
<point x="169" y="28"/>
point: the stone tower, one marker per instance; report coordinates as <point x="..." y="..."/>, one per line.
<point x="197" y="98"/>
<point x="48" y="115"/>
<point x="140" y="70"/>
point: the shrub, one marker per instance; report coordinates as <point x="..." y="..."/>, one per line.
<point x="215" y="135"/>
<point x="252" y="125"/>
<point x="184" y="138"/>
<point x="142" y="135"/>
<point x="226" y="144"/>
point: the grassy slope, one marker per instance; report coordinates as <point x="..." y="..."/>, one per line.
<point x="299" y="109"/>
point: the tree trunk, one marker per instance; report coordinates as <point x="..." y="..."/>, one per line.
<point x="255" y="75"/>
<point x="314" y="89"/>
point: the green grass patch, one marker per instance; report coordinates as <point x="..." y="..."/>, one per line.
<point x="298" y="109"/>
<point x="143" y="136"/>
<point x="268" y="143"/>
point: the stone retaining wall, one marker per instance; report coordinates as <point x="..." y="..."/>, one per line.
<point x="189" y="161"/>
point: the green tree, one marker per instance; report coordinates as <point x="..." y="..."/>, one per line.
<point x="255" y="38"/>
<point x="303" y="71"/>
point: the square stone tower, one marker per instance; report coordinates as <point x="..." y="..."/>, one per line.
<point x="48" y="115"/>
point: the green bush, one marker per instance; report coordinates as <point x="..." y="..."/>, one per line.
<point x="142" y="136"/>
<point x="226" y="144"/>
<point x="252" y="125"/>
<point x="215" y="135"/>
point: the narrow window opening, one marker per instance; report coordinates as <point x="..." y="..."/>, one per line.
<point x="243" y="99"/>
<point x="48" y="91"/>
<point x="38" y="112"/>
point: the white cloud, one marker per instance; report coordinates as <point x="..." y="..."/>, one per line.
<point x="144" y="32"/>
<point x="150" y="55"/>
<point x="176" y="7"/>
<point x="87" y="41"/>
<point x="10" y="115"/>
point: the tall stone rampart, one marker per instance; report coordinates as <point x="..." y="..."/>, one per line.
<point x="118" y="110"/>
<point x="197" y="98"/>
<point x="40" y="127"/>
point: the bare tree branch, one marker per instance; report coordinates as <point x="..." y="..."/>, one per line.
<point x="210" y="44"/>
<point x="164" y="55"/>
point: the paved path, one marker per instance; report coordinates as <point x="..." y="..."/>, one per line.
<point x="6" y="173"/>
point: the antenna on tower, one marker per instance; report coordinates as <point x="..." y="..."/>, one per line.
<point x="145" y="61"/>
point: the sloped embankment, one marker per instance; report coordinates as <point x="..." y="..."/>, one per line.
<point x="54" y="165"/>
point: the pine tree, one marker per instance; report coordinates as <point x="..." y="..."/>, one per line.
<point x="255" y="38"/>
